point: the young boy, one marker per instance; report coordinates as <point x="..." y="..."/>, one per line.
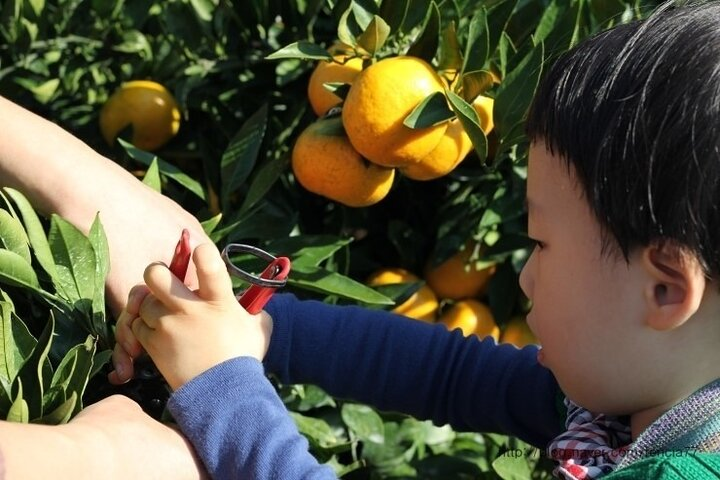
<point x="623" y="201"/>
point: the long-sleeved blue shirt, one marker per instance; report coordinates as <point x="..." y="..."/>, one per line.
<point x="241" y="429"/>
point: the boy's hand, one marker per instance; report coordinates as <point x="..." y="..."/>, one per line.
<point x="187" y="332"/>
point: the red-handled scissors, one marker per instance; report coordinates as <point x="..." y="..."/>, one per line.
<point x="262" y="286"/>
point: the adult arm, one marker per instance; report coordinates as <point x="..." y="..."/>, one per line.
<point x="112" y="439"/>
<point x="61" y="174"/>
<point x="398" y="364"/>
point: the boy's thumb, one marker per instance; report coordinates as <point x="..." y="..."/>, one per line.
<point x="213" y="279"/>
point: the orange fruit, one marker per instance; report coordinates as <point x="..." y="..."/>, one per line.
<point x="380" y="99"/>
<point x="145" y="105"/>
<point x="341" y="70"/>
<point x="455" y="278"/>
<point x="472" y="317"/>
<point x="325" y="163"/>
<point x="484" y="107"/>
<point x="422" y="305"/>
<point x="454" y="145"/>
<point x="518" y="333"/>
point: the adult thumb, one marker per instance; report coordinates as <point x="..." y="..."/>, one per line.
<point x="213" y="279"/>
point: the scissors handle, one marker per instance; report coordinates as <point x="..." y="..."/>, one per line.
<point x="263" y="286"/>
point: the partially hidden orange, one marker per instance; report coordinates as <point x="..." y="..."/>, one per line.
<point x="340" y="70"/>
<point x="472" y="317"/>
<point x="457" y="278"/>
<point x="421" y="305"/>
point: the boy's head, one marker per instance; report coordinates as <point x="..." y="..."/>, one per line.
<point x="625" y="157"/>
<point x="636" y="112"/>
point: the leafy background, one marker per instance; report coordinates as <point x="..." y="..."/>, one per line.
<point x="229" y="165"/>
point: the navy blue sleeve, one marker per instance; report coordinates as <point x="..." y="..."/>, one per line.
<point x="404" y="365"/>
<point x="239" y="426"/>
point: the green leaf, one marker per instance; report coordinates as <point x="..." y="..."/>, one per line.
<point x="364" y="422"/>
<point x="475" y="83"/>
<point x="497" y="20"/>
<point x="338" y="89"/>
<point x="167" y="169"/>
<point x="19" y="411"/>
<point x="240" y="157"/>
<point x="449" y="56"/>
<point x="550" y="18"/>
<point x="431" y="111"/>
<point x="303" y="50"/>
<point x="426" y="44"/>
<point x="44" y="91"/>
<point x="264" y="179"/>
<point x="204" y="9"/>
<point x="16" y="271"/>
<point x="478" y="43"/>
<point x="331" y="283"/>
<point x="73" y="373"/>
<point x="515" y="93"/>
<point x="99" y="361"/>
<point x="101" y="249"/>
<point x="15" y="345"/>
<point x="35" y="232"/>
<point x="211" y="223"/>
<point x="512" y="468"/>
<point x="75" y="260"/>
<point x="416" y="14"/>
<point x="394" y="12"/>
<point x="470" y="122"/>
<point x="317" y="431"/>
<point x="63" y="413"/>
<point x="308" y="250"/>
<point x="13" y="236"/>
<point x="152" y="176"/>
<point x="34" y="374"/>
<point x="374" y="36"/>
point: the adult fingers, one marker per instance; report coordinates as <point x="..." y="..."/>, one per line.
<point x="213" y="279"/>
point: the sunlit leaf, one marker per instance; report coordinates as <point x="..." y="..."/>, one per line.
<point x="16" y="271"/>
<point x="13" y="236"/>
<point x="433" y="110"/>
<point x="302" y="49"/>
<point x="374" y="36"/>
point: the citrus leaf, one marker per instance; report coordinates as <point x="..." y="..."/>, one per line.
<point x="449" y="56"/>
<point x="303" y="50"/>
<point x="394" y="12"/>
<point x="497" y="20"/>
<point x="515" y="93"/>
<point x="16" y="271"/>
<point x="34" y="374"/>
<point x="431" y="111"/>
<point x="308" y="250"/>
<point x="240" y="157"/>
<point x="152" y="176"/>
<point x="211" y="223"/>
<point x="549" y="20"/>
<point x="418" y="11"/>
<point x="478" y="42"/>
<point x="426" y="44"/>
<point x="470" y="122"/>
<point x="475" y="83"/>
<point x="332" y="283"/>
<point x="13" y="236"/>
<point x="99" y="243"/>
<point x="204" y="8"/>
<point x="63" y="413"/>
<point x="339" y="89"/>
<point x="19" y="411"/>
<point x="511" y="468"/>
<point x="99" y="361"/>
<point x="364" y="422"/>
<point x="265" y="178"/>
<point x="35" y="231"/>
<point x="348" y="28"/>
<point x="73" y="373"/>
<point x="167" y="169"/>
<point x="374" y="36"/>
<point x="317" y="431"/>
<point x="75" y="260"/>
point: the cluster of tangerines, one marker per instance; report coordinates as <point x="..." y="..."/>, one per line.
<point x="458" y="286"/>
<point x="352" y="158"/>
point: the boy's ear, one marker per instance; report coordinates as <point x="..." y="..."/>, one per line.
<point x="675" y="286"/>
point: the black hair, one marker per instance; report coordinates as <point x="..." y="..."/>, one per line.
<point x="635" y="110"/>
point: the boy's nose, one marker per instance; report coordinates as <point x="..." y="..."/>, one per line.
<point x="527" y="278"/>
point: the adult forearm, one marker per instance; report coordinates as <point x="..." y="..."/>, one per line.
<point x="48" y="164"/>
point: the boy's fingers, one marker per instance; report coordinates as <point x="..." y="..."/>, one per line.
<point x="213" y="280"/>
<point x="135" y="298"/>
<point x="124" y="337"/>
<point x="169" y="289"/>
<point x="124" y="369"/>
